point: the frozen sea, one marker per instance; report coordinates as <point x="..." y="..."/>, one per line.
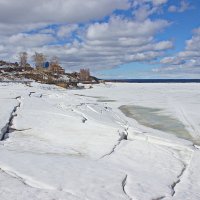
<point x="115" y="141"/>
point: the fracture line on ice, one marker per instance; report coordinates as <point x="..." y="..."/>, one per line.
<point x="35" y="185"/>
<point x="159" y="198"/>
<point x="185" y="165"/>
<point x="7" y="128"/>
<point x="124" y="183"/>
<point x="123" y="136"/>
<point x="179" y="177"/>
<point x="31" y="183"/>
<point x="30" y="94"/>
<point x="178" y="180"/>
<point x="14" y="175"/>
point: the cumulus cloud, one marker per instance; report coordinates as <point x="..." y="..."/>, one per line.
<point x="117" y="28"/>
<point x="154" y="2"/>
<point x="184" y="5"/>
<point x="186" y="60"/>
<point x="30" y="40"/>
<point x="26" y="15"/>
<point x="67" y="30"/>
<point x="51" y="11"/>
<point x="70" y="30"/>
<point x="159" y="2"/>
<point x="146" y="8"/>
<point x="111" y="43"/>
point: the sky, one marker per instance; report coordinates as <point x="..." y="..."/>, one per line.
<point x="113" y="38"/>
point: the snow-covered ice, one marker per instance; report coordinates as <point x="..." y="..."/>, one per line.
<point x="78" y="144"/>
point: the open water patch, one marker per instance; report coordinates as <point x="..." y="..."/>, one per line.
<point x="153" y="118"/>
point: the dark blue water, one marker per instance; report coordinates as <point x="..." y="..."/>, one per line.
<point x="154" y="80"/>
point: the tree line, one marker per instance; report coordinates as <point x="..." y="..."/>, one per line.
<point x="40" y="59"/>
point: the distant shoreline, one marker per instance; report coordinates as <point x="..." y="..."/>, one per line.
<point x="153" y="80"/>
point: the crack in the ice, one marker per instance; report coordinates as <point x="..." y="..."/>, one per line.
<point x="24" y="182"/>
<point x="184" y="168"/>
<point x="18" y="130"/>
<point x="124" y="183"/>
<point x="15" y="176"/>
<point x="173" y="186"/>
<point x="30" y="94"/>
<point x="8" y="127"/>
<point x="159" y="198"/>
<point x="123" y="136"/>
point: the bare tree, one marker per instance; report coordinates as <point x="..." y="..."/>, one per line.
<point x="55" y="67"/>
<point x="84" y="74"/>
<point x="39" y="59"/>
<point x="54" y="61"/>
<point x="23" y="56"/>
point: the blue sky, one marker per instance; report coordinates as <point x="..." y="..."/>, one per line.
<point x="114" y="38"/>
<point x="183" y="23"/>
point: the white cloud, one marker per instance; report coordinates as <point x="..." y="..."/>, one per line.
<point x="159" y="2"/>
<point x="184" y="5"/>
<point x="10" y="29"/>
<point x="27" y="40"/>
<point x="146" y="8"/>
<point x="44" y="25"/>
<point x="66" y="31"/>
<point x="27" y="15"/>
<point x="144" y="12"/>
<point x="186" y="60"/>
<point x="51" y="11"/>
<point x="115" y="42"/>
<point x="104" y="45"/>
<point x="117" y="28"/>
<point x="154" y="2"/>
<point x="172" y="8"/>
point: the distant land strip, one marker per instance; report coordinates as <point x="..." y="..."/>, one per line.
<point x="153" y="80"/>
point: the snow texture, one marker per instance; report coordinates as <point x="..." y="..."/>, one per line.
<point x="77" y="144"/>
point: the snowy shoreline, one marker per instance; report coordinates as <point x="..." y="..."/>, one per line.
<point x="77" y="144"/>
